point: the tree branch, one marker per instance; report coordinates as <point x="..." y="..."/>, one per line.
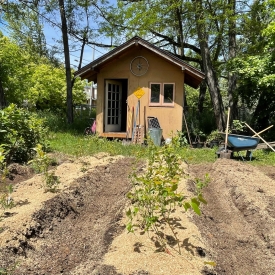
<point x="172" y="42"/>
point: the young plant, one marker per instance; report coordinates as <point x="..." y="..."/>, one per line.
<point x="6" y="201"/>
<point x="237" y="126"/>
<point x="41" y="164"/>
<point x="155" y="194"/>
<point x="8" y="270"/>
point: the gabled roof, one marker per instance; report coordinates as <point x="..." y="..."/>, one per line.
<point x="193" y="76"/>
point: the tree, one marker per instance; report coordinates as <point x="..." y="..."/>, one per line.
<point x="209" y="34"/>
<point x="211" y="77"/>
<point x="67" y="61"/>
<point x="232" y="52"/>
<point x="33" y="80"/>
<point x="26" y="28"/>
<point x="184" y="29"/>
<point x="2" y="95"/>
<point x="254" y="66"/>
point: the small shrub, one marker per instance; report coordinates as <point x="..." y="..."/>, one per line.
<point x="8" y="270"/>
<point x="155" y="193"/>
<point x="21" y="130"/>
<point x="41" y="164"/>
<point x="6" y="201"/>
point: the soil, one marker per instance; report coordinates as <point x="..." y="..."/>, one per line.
<point x="81" y="228"/>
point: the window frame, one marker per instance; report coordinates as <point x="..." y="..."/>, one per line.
<point x="162" y="103"/>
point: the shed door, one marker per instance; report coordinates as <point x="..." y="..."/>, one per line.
<point x="113" y="106"/>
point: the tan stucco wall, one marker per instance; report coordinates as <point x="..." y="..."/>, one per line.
<point x="160" y="70"/>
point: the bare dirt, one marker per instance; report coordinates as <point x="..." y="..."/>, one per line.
<point x="81" y="228"/>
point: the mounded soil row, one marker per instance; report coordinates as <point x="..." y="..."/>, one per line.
<point x="80" y="230"/>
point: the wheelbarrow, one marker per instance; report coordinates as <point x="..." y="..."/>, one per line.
<point x="238" y="143"/>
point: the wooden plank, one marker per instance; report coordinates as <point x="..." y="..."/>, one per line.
<point x="114" y="135"/>
<point x="264" y="146"/>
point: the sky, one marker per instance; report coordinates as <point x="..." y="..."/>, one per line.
<point x="91" y="52"/>
<point x="53" y="33"/>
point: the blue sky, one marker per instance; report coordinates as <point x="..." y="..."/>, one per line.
<point x="90" y="52"/>
<point x="53" y="33"/>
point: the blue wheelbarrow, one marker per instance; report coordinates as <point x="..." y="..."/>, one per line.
<point x="238" y="143"/>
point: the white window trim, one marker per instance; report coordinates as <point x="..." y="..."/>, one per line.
<point x="161" y="103"/>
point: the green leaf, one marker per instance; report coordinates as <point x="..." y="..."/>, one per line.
<point x="129" y="212"/>
<point x="174" y="187"/>
<point x="201" y="199"/>
<point x="187" y="206"/>
<point x="129" y="227"/>
<point x="195" y="207"/>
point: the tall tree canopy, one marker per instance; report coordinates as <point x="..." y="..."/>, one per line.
<point x="207" y="33"/>
<point x="219" y="37"/>
<point x="255" y="67"/>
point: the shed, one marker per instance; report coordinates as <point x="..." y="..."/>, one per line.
<point x="137" y="81"/>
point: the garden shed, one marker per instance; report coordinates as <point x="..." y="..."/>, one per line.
<point x="137" y="81"/>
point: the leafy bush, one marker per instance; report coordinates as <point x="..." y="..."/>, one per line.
<point x="156" y="195"/>
<point x="57" y="121"/>
<point x="21" y="131"/>
<point x="41" y="163"/>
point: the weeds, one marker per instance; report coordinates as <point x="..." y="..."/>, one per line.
<point x="8" y="270"/>
<point x="6" y="201"/>
<point x="41" y="164"/>
<point x="155" y="194"/>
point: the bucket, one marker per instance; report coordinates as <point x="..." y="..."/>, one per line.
<point x="156" y="135"/>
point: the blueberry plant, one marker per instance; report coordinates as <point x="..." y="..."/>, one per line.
<point x="41" y="163"/>
<point x="155" y="194"/>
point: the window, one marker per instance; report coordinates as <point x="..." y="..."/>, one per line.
<point x="161" y="94"/>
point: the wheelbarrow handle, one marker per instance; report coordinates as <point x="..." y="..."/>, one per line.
<point x="263" y="130"/>
<point x="260" y="137"/>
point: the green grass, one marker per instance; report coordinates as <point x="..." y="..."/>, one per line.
<point x="263" y="157"/>
<point x="196" y="156"/>
<point x="70" y="140"/>
<point x="78" y="145"/>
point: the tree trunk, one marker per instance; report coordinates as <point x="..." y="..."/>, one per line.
<point x="210" y="75"/>
<point x="67" y="61"/>
<point x="232" y="78"/>
<point x="203" y="89"/>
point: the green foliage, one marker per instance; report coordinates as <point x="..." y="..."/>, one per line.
<point x="56" y="121"/>
<point x="237" y="126"/>
<point x="155" y="194"/>
<point x="6" y="201"/>
<point x="199" y="125"/>
<point x="41" y="163"/>
<point x="21" y="131"/>
<point x="31" y="80"/>
<point x="214" y="135"/>
<point x="255" y="68"/>
<point x="182" y="138"/>
<point x="8" y="270"/>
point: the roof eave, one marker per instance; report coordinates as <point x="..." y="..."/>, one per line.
<point x="190" y="70"/>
